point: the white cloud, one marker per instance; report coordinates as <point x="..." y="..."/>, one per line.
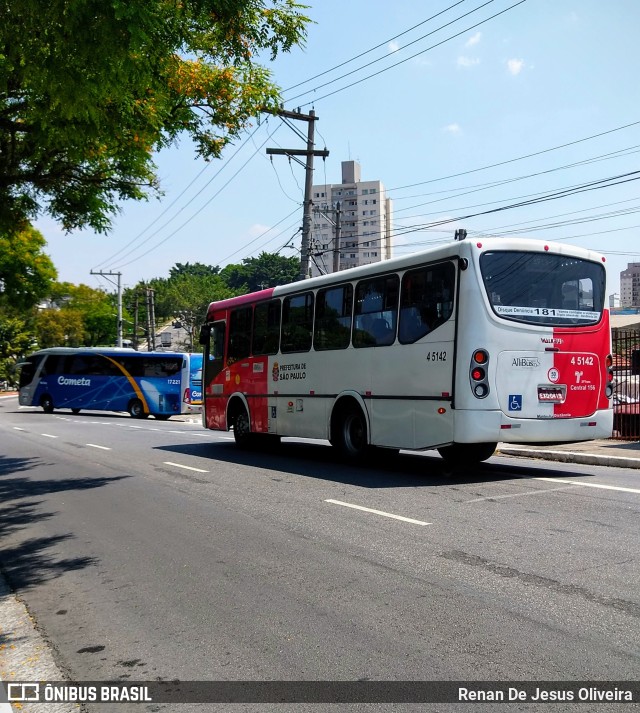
<point x="468" y="61"/>
<point x="393" y="46"/>
<point x="452" y="128"/>
<point x="515" y="66"/>
<point x="473" y="40"/>
<point x="257" y="229"/>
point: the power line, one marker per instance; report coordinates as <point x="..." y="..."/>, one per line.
<point x="413" y="56"/>
<point x="372" y="49"/>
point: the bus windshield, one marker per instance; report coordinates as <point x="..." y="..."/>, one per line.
<point x="541" y="288"/>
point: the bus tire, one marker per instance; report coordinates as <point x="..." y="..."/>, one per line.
<point x="242" y="428"/>
<point x="465" y="454"/>
<point x="136" y="409"/>
<point x="349" y="432"/>
<point x="75" y="410"/>
<point x="47" y="403"/>
<point x="162" y="416"/>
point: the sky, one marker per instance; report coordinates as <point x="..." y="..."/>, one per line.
<point x="531" y="102"/>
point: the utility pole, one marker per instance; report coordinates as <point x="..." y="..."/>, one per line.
<point x="119" y="275"/>
<point x="151" y="321"/>
<point x="309" y="152"/>
<point x="136" y="307"/>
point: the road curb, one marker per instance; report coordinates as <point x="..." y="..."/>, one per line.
<point x="572" y="457"/>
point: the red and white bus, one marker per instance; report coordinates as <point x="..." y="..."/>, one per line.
<point x="458" y="347"/>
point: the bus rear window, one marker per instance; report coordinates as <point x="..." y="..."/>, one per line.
<point x="542" y="288"/>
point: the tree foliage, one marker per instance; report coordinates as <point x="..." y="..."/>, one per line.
<point x="89" y="90"/>
<point x="258" y="273"/>
<point x="26" y="273"/>
<point x="79" y="316"/>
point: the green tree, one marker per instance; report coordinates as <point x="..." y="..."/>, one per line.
<point x="26" y="273"/>
<point x="80" y="316"/>
<point x="258" y="273"/>
<point x="16" y="340"/>
<point x="89" y="90"/>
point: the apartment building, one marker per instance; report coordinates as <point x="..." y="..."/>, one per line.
<point x="630" y="286"/>
<point x="363" y="212"/>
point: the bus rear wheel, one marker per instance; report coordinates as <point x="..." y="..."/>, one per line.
<point x="349" y="433"/>
<point x="136" y="409"/>
<point x="465" y="454"/>
<point x="75" y="410"/>
<point x="47" y="403"/>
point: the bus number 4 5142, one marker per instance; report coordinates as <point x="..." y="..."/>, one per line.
<point x="436" y="356"/>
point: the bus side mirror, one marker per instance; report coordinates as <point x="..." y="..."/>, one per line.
<point x="205" y="334"/>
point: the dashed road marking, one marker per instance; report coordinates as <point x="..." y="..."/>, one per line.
<point x="95" y="445"/>
<point x="519" y="495"/>
<point x="186" y="467"/>
<point x="378" y="512"/>
<point x="619" y="488"/>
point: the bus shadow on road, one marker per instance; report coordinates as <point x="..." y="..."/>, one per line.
<point x="322" y="462"/>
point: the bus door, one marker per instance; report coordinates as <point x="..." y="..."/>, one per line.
<point x="212" y="338"/>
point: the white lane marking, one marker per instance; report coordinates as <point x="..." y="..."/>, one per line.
<point x="95" y="445"/>
<point x="226" y="438"/>
<point x="518" y="495"/>
<point x="138" y="427"/>
<point x="186" y="467"/>
<point x="619" y="488"/>
<point x="16" y="428"/>
<point x="378" y="512"/>
<point x="48" y="435"/>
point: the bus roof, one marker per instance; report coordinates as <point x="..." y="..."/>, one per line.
<point x="459" y="248"/>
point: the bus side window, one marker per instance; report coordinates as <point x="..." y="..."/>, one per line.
<point x="376" y="308"/>
<point x="266" y="328"/>
<point x="334" y="307"/>
<point x="425" y="302"/>
<point x="297" y="323"/>
<point x="239" y="334"/>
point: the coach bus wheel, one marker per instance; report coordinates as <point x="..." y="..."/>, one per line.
<point x="242" y="428"/>
<point x="349" y="434"/>
<point x="462" y="454"/>
<point x="47" y="403"/>
<point x="75" y="410"/>
<point x="136" y="409"/>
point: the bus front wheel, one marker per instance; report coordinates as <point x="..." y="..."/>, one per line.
<point x="136" y="409"/>
<point x="242" y="428"/>
<point x="465" y="454"/>
<point x="47" y="403"/>
<point x="349" y="432"/>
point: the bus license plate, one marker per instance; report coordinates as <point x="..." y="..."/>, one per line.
<point x="552" y="394"/>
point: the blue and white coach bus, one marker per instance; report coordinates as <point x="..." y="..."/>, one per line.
<point x="106" y="379"/>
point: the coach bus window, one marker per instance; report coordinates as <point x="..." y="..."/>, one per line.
<point x="333" y="318"/>
<point x="297" y="323"/>
<point x="239" y="335"/>
<point x="266" y="328"/>
<point x="426" y="301"/>
<point x="376" y="311"/>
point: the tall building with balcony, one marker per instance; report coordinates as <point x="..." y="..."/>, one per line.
<point x="362" y="211"/>
<point x="630" y="286"/>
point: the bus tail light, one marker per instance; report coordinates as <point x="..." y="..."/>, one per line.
<point x="478" y="373"/>
<point x="610" y="381"/>
<point x="187" y="396"/>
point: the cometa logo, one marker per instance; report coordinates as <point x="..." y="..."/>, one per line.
<point x="64" y="381"/>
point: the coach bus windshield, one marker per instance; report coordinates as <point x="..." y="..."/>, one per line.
<point x="543" y="288"/>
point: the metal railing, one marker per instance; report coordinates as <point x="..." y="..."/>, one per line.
<point x="626" y="369"/>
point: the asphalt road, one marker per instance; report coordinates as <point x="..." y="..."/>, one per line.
<point x="155" y="550"/>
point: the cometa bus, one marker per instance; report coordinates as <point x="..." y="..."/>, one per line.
<point x="457" y="348"/>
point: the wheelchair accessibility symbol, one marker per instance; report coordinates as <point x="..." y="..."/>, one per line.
<point x="515" y="402"/>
